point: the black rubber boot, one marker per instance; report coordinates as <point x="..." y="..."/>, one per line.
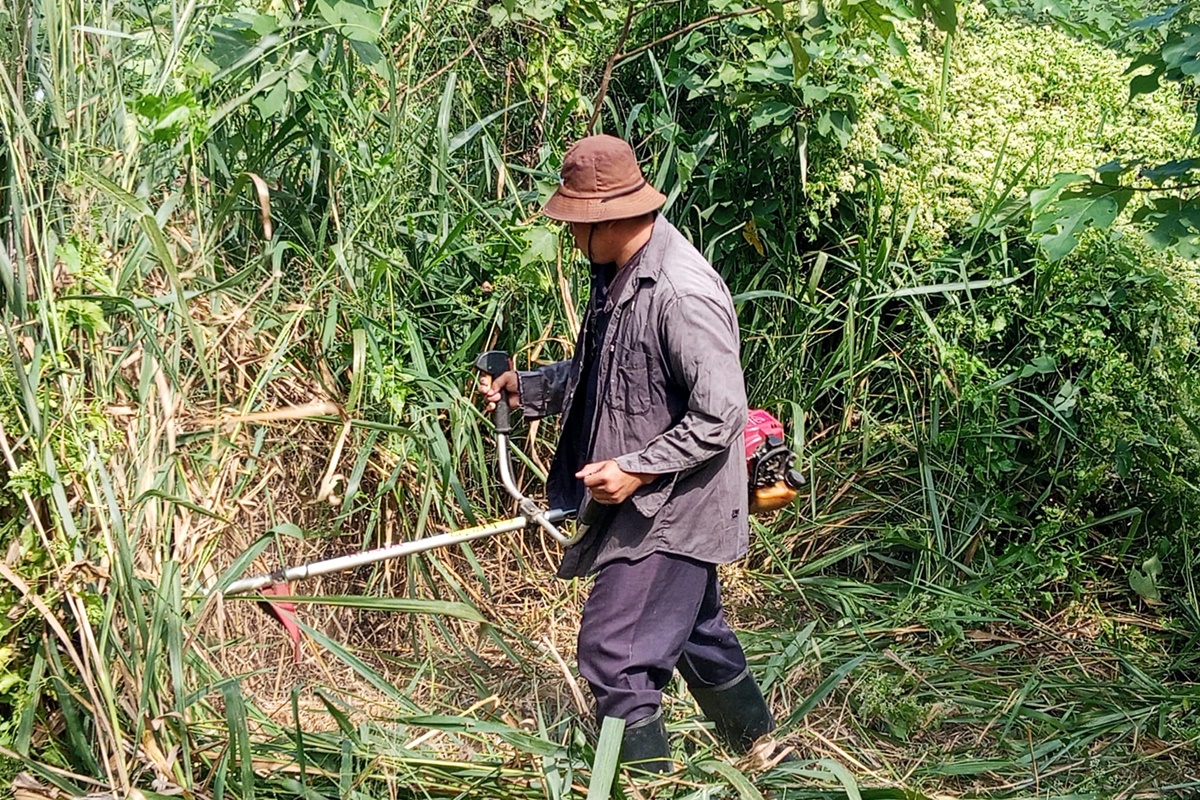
<point x="644" y="746"/>
<point x="738" y="710"/>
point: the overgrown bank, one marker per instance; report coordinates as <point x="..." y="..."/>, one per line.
<point x="319" y="214"/>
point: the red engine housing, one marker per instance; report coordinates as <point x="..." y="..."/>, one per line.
<point x="760" y="426"/>
<point x="768" y="459"/>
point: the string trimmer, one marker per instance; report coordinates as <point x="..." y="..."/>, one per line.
<point x="492" y="364"/>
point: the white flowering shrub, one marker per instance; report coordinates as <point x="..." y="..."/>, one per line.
<point x="1022" y="103"/>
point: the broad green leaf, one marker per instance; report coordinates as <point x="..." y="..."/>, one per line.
<point x="369" y="52"/>
<point x="232" y="39"/>
<point x="1041" y="197"/>
<point x="499" y="15"/>
<point x="1145" y="580"/>
<point x="814" y="94"/>
<point x="1157" y="20"/>
<point x="272" y="103"/>
<point x="514" y="11"/>
<point x="541" y="245"/>
<point x="1179" y="52"/>
<point x="1112" y="171"/>
<point x="874" y="16"/>
<point x="773" y="112"/>
<point x="1172" y="223"/>
<point x="357" y="23"/>
<point x="1054" y="8"/>
<point x="1144" y="84"/>
<point x="1067" y="397"/>
<point x="839" y="123"/>
<point x="1039" y="365"/>
<point x="775" y="67"/>
<point x="944" y="13"/>
<point x="1179" y="168"/>
<point x="1153" y="59"/>
<point x="1096" y="206"/>
<point x="801" y="60"/>
<point x="1044" y="364"/>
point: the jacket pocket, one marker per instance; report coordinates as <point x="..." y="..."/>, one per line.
<point x="650" y="499"/>
<point x="630" y="382"/>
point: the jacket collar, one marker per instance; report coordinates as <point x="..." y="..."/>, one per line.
<point x="651" y="263"/>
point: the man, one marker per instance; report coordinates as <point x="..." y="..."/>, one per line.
<point x="654" y="406"/>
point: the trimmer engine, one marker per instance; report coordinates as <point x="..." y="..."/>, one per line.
<point x="769" y="464"/>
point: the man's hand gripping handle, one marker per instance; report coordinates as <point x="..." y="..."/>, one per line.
<point x="493" y="364"/>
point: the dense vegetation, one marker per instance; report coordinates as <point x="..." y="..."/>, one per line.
<point x="249" y="251"/>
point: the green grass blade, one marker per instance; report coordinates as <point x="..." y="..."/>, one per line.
<point x="235" y="719"/>
<point x="824" y="688"/>
<point x="734" y="778"/>
<point x="396" y="605"/>
<point x="607" y="760"/>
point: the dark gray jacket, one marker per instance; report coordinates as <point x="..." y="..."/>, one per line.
<point x="671" y="402"/>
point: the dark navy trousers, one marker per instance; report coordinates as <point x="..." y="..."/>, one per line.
<point x="643" y="620"/>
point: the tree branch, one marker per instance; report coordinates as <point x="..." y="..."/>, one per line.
<point x="598" y="103"/>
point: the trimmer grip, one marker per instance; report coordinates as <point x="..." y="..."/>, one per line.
<point x="500" y="417"/>
<point x="494" y="363"/>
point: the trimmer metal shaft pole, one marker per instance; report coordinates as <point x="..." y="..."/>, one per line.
<point x="493" y="364"/>
<point x="384" y="553"/>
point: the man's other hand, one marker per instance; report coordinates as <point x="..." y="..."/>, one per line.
<point x="609" y="484"/>
<point x="490" y="388"/>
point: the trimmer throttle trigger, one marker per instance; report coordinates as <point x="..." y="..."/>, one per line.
<point x="493" y="363"/>
<point x="590" y="512"/>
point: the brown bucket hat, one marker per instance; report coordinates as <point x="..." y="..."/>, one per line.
<point x="600" y="181"/>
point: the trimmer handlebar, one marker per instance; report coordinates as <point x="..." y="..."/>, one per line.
<point x="494" y="363"/>
<point x="590" y="512"/>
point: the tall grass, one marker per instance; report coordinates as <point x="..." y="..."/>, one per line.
<point x="138" y="351"/>
<point x="177" y="344"/>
